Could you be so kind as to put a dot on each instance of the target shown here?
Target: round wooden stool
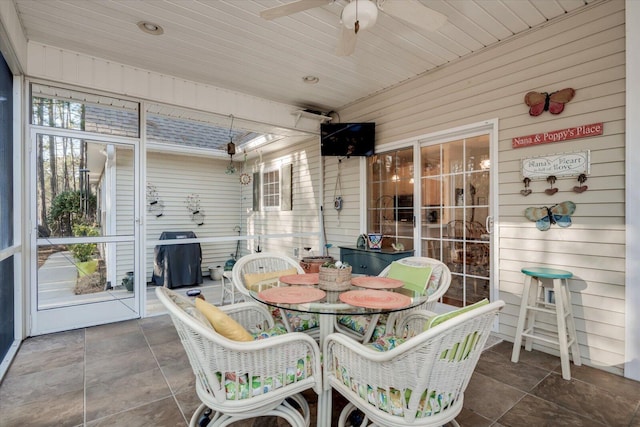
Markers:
(536, 300)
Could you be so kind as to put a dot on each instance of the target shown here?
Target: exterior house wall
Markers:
(585, 51)
(303, 219)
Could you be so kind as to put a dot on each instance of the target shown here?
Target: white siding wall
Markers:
(304, 216)
(342, 227)
(176, 177)
(586, 52)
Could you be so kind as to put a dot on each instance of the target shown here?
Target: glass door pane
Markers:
(390, 197)
(85, 245)
(455, 205)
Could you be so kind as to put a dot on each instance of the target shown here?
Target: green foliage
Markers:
(66, 210)
(84, 251)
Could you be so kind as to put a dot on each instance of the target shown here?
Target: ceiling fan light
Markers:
(363, 11)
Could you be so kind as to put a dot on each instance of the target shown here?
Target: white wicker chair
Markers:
(368, 323)
(265, 262)
(420, 382)
(216, 361)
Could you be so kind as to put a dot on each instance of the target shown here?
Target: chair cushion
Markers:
(414, 278)
(393, 401)
(188, 307)
(302, 321)
(360, 322)
(386, 343)
(434, 279)
(436, 320)
(239, 387)
(222, 323)
(252, 279)
(276, 330)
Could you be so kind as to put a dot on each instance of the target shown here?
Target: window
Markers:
(271, 189)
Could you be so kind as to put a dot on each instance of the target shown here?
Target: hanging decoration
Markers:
(155, 206)
(559, 214)
(337, 190)
(582, 178)
(551, 102)
(553, 190)
(193, 206)
(231, 150)
(526, 190)
(245, 178)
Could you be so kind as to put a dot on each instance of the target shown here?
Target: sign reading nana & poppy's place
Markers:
(582, 131)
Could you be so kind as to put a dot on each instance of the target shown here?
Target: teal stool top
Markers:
(547, 273)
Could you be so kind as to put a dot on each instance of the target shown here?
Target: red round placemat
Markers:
(375, 282)
(375, 299)
(291, 295)
(301, 279)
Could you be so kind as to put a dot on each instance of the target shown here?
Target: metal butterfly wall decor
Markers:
(552, 102)
(559, 214)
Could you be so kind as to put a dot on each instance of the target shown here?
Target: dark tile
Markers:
(110, 330)
(110, 397)
(170, 353)
(161, 336)
(179, 376)
(60, 409)
(43, 360)
(109, 369)
(522, 376)
(109, 346)
(188, 402)
(588, 400)
(156, 323)
(41, 386)
(468, 418)
(533, 411)
(605, 380)
(535, 358)
(161, 413)
(60, 340)
(490, 398)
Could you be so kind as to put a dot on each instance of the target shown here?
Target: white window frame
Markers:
(264, 185)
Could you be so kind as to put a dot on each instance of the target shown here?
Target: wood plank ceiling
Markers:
(227, 44)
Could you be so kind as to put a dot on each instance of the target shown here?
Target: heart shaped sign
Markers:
(525, 192)
(551, 191)
(580, 189)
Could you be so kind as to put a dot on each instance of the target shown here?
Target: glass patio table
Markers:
(356, 300)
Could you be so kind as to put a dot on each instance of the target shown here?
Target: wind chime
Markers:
(231, 150)
(245, 178)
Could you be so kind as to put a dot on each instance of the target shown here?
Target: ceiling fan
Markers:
(361, 14)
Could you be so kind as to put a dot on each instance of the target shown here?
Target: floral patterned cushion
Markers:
(394, 401)
(360, 322)
(240, 387)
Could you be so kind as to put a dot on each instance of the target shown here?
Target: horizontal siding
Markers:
(175, 177)
(304, 216)
(585, 51)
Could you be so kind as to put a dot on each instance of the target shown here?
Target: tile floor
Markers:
(136, 373)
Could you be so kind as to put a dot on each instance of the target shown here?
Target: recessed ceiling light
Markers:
(150, 28)
(310, 80)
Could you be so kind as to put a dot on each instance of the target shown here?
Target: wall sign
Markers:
(559, 165)
(582, 131)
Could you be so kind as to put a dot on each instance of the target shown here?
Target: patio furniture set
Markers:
(378, 344)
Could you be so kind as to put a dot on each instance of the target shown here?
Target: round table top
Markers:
(332, 303)
(547, 273)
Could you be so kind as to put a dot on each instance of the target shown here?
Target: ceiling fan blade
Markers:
(347, 42)
(291, 8)
(415, 13)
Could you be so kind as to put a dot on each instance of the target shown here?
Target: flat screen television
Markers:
(347, 139)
